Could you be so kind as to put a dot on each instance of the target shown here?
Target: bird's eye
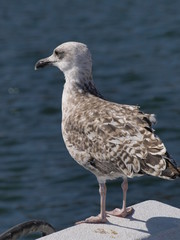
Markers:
(59, 54)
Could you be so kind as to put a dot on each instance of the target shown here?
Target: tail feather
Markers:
(160, 166)
(171, 171)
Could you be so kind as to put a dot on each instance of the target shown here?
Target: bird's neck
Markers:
(80, 82)
(77, 88)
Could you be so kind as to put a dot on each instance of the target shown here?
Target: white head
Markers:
(71, 58)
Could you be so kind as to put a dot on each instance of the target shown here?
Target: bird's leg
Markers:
(124, 211)
(102, 192)
(101, 218)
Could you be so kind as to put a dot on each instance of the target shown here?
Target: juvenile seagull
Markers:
(109, 139)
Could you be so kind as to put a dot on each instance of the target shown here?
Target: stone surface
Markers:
(151, 220)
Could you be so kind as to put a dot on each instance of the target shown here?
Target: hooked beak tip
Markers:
(40, 64)
(43, 63)
(35, 68)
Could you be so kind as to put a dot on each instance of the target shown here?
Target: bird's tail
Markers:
(171, 171)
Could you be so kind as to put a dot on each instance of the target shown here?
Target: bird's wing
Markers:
(121, 135)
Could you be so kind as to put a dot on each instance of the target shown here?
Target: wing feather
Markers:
(118, 138)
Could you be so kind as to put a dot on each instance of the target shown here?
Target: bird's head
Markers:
(69, 57)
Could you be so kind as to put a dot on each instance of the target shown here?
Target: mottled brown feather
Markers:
(118, 138)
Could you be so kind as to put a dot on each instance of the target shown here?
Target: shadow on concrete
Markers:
(159, 228)
(163, 228)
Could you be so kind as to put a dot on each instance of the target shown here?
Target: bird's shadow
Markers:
(155, 226)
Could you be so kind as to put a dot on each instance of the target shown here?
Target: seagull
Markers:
(110, 140)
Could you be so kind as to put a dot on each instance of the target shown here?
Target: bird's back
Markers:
(113, 140)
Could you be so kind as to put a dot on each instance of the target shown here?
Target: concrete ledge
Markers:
(151, 220)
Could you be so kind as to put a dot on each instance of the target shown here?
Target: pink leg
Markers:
(124, 211)
(101, 218)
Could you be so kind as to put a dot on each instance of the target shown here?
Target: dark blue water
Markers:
(136, 60)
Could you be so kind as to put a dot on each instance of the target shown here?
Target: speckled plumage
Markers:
(111, 140)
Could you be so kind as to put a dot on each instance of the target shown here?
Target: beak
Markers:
(44, 62)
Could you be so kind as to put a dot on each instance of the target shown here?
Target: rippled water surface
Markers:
(136, 60)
